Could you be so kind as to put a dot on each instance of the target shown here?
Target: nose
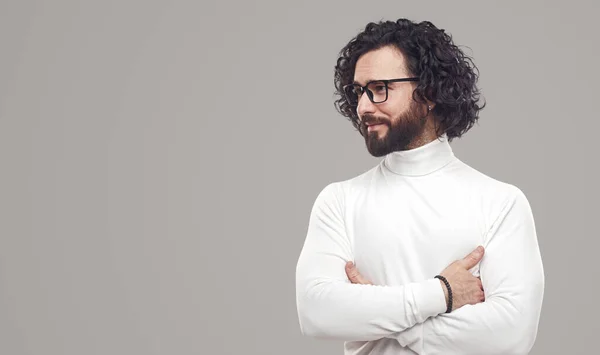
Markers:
(365, 106)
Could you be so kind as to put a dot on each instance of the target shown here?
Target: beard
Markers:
(400, 131)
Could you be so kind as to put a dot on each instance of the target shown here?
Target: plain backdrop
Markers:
(159, 160)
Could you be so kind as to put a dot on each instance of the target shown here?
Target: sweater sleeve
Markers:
(329, 306)
(513, 281)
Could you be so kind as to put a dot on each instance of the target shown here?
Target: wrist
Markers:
(447, 292)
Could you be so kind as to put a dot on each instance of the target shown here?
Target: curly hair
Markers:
(447, 77)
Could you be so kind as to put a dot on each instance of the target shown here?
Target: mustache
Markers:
(370, 119)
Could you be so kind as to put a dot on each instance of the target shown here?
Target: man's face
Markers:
(393, 124)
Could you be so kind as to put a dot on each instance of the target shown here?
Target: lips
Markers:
(371, 124)
(374, 127)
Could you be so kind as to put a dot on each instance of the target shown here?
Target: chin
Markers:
(378, 154)
(378, 146)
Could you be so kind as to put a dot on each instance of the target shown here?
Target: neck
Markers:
(429, 134)
(429, 155)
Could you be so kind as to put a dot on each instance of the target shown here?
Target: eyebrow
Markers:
(357, 83)
(368, 81)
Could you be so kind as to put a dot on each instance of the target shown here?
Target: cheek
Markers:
(394, 108)
(402, 98)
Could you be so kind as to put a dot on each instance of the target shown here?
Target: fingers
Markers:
(473, 258)
(354, 276)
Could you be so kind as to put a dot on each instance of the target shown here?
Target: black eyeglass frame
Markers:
(364, 89)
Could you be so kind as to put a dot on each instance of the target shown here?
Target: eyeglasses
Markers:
(377, 90)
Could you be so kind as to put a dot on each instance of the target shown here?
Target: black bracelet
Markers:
(449, 306)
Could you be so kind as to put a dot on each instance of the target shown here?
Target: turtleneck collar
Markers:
(422, 160)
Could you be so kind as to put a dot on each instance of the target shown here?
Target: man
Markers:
(422, 253)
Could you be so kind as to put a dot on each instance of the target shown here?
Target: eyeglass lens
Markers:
(377, 92)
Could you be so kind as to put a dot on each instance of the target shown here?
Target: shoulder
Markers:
(492, 196)
(487, 186)
(337, 192)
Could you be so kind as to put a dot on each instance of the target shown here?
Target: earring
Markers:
(429, 108)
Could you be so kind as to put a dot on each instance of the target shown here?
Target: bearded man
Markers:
(422, 254)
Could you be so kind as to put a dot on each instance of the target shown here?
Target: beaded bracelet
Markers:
(449, 306)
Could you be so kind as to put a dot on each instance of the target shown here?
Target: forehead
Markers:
(383, 63)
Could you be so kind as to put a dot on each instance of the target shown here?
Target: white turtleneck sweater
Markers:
(402, 223)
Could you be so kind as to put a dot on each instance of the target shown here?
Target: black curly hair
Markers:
(447, 77)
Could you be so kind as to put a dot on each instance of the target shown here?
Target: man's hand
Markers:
(354, 276)
(466, 288)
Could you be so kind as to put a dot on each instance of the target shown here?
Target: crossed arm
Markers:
(329, 305)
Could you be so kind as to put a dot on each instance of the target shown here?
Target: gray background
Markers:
(159, 162)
